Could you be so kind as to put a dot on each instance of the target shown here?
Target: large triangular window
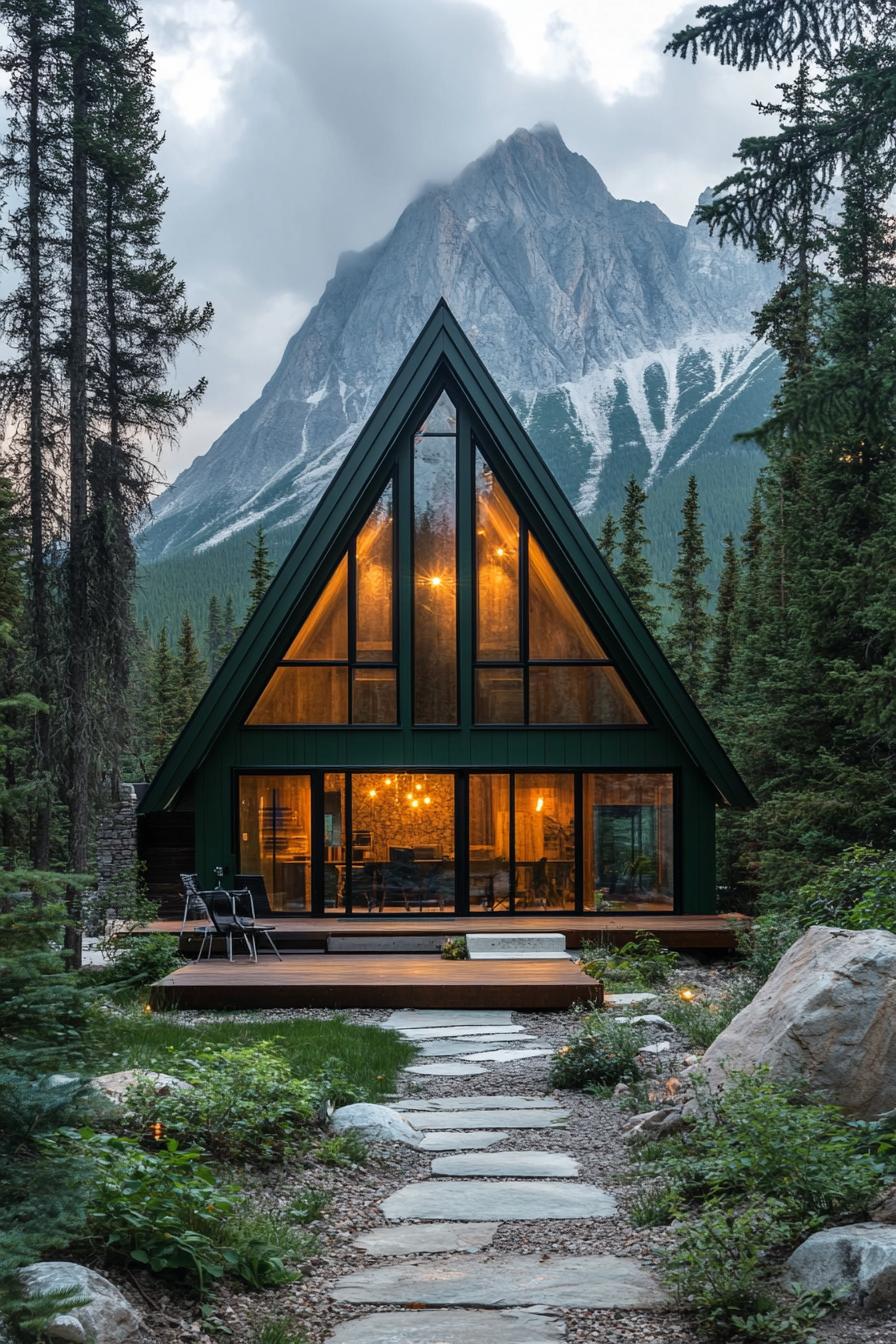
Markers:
(537, 659)
(340, 667)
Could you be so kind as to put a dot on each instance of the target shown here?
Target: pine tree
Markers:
(722, 657)
(138, 319)
(606, 542)
(214, 635)
(228, 628)
(33, 179)
(260, 571)
(165, 700)
(690, 629)
(191, 680)
(633, 569)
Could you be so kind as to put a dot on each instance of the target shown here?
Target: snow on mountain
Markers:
(622, 339)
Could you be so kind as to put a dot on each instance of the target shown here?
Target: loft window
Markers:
(435, 566)
(340, 667)
(537, 660)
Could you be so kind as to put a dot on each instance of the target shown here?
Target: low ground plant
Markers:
(167, 1210)
(136, 961)
(342, 1150)
(279, 1330)
(242, 1104)
(719, 1267)
(701, 1019)
(601, 1054)
(641, 964)
(758, 1171)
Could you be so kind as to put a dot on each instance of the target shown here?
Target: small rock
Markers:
(660, 1048)
(691, 1060)
(376, 1122)
(107, 1317)
(884, 1210)
(860, 1257)
(622, 1090)
(654, 1125)
(646, 1019)
(115, 1086)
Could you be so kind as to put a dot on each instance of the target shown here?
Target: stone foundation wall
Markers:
(116, 844)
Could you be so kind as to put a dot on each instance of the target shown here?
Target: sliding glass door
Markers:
(487, 842)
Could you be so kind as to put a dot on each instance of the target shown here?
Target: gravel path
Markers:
(592, 1137)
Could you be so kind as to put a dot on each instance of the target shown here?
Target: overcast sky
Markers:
(298, 129)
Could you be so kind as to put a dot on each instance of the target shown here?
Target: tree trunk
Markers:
(40, 853)
(78, 615)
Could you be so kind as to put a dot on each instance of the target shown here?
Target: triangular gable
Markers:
(441, 352)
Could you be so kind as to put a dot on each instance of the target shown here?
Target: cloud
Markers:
(297, 130)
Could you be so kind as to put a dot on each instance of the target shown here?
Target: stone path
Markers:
(465, 1290)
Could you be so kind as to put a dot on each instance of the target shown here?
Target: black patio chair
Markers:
(242, 900)
(194, 908)
(255, 884)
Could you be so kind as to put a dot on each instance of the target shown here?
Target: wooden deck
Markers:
(329, 980)
(678, 931)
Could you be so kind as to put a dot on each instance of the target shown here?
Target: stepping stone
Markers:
(457, 1046)
(452, 1139)
(472, 1032)
(623, 1000)
(485, 1103)
(549, 1119)
(645, 1019)
(418, 1238)
(521, 1163)
(508, 1201)
(452, 1327)
(602, 1281)
(446, 1017)
(501, 1056)
(457, 1070)
(661, 1048)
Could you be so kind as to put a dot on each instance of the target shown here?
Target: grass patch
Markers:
(370, 1057)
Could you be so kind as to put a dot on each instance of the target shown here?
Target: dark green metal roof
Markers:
(441, 350)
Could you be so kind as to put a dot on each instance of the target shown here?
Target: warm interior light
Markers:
(435, 581)
(415, 802)
(419, 788)
(539, 804)
(388, 779)
(499, 551)
(427, 800)
(371, 793)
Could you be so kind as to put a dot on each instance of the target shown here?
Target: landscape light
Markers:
(686, 994)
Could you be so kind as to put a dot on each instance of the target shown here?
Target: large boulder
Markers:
(827, 1016)
(107, 1316)
(376, 1122)
(860, 1258)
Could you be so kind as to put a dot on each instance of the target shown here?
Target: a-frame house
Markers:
(446, 702)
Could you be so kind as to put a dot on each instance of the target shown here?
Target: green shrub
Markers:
(140, 960)
(601, 1054)
(719, 1268)
(755, 1141)
(342, 1150)
(700, 1020)
(244, 1104)
(455, 949)
(167, 1211)
(641, 964)
(43, 1009)
(763, 943)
